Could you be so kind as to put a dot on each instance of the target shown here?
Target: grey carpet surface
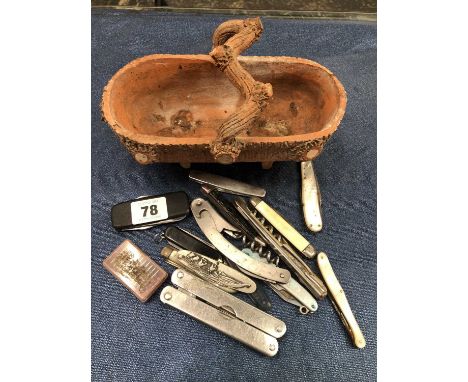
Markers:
(132, 341)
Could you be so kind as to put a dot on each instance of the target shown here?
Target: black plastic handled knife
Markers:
(148, 211)
(227, 210)
(182, 239)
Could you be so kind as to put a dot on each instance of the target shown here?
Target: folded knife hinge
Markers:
(224, 312)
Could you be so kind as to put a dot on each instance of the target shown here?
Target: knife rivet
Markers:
(279, 328)
(167, 296)
(272, 347)
(198, 203)
(282, 275)
(180, 274)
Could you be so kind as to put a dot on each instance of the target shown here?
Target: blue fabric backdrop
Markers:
(132, 341)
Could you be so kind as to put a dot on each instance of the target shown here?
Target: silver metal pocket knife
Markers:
(228, 185)
(291, 292)
(212, 271)
(283, 249)
(224, 312)
(212, 224)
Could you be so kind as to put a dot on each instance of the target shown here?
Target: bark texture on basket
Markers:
(229, 40)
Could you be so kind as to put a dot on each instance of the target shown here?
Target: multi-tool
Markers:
(224, 312)
(311, 198)
(339, 300)
(147, 211)
(183, 239)
(213, 226)
(228, 185)
(291, 292)
(284, 228)
(212, 271)
(283, 249)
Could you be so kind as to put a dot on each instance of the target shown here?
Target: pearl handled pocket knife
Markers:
(212, 224)
(212, 271)
(224, 312)
(311, 198)
(339, 300)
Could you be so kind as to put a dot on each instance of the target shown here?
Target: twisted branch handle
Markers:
(229, 40)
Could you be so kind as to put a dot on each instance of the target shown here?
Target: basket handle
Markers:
(229, 40)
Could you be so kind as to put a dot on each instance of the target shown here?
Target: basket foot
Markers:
(267, 165)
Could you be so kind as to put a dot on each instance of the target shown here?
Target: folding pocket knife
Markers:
(284, 228)
(212, 271)
(148, 211)
(311, 198)
(339, 300)
(183, 239)
(283, 249)
(291, 292)
(228, 185)
(212, 224)
(224, 312)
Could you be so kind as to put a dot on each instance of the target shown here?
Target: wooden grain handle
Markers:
(229, 40)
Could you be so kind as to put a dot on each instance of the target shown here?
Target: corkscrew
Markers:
(282, 248)
(214, 226)
(249, 237)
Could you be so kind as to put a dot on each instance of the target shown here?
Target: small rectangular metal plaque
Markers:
(135, 270)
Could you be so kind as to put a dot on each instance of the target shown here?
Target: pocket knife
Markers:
(311, 198)
(212, 271)
(183, 239)
(148, 211)
(213, 225)
(228, 185)
(339, 300)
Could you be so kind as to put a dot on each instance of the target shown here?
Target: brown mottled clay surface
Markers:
(172, 108)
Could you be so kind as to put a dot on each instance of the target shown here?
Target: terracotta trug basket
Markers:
(223, 107)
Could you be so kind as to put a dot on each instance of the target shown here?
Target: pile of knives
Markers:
(248, 246)
(248, 240)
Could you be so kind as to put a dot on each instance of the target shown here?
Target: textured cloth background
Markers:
(132, 341)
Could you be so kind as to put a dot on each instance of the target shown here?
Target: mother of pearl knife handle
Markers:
(340, 301)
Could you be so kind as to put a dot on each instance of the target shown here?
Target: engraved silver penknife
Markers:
(228, 185)
(212, 271)
(339, 300)
(224, 312)
(284, 228)
(212, 224)
(311, 198)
